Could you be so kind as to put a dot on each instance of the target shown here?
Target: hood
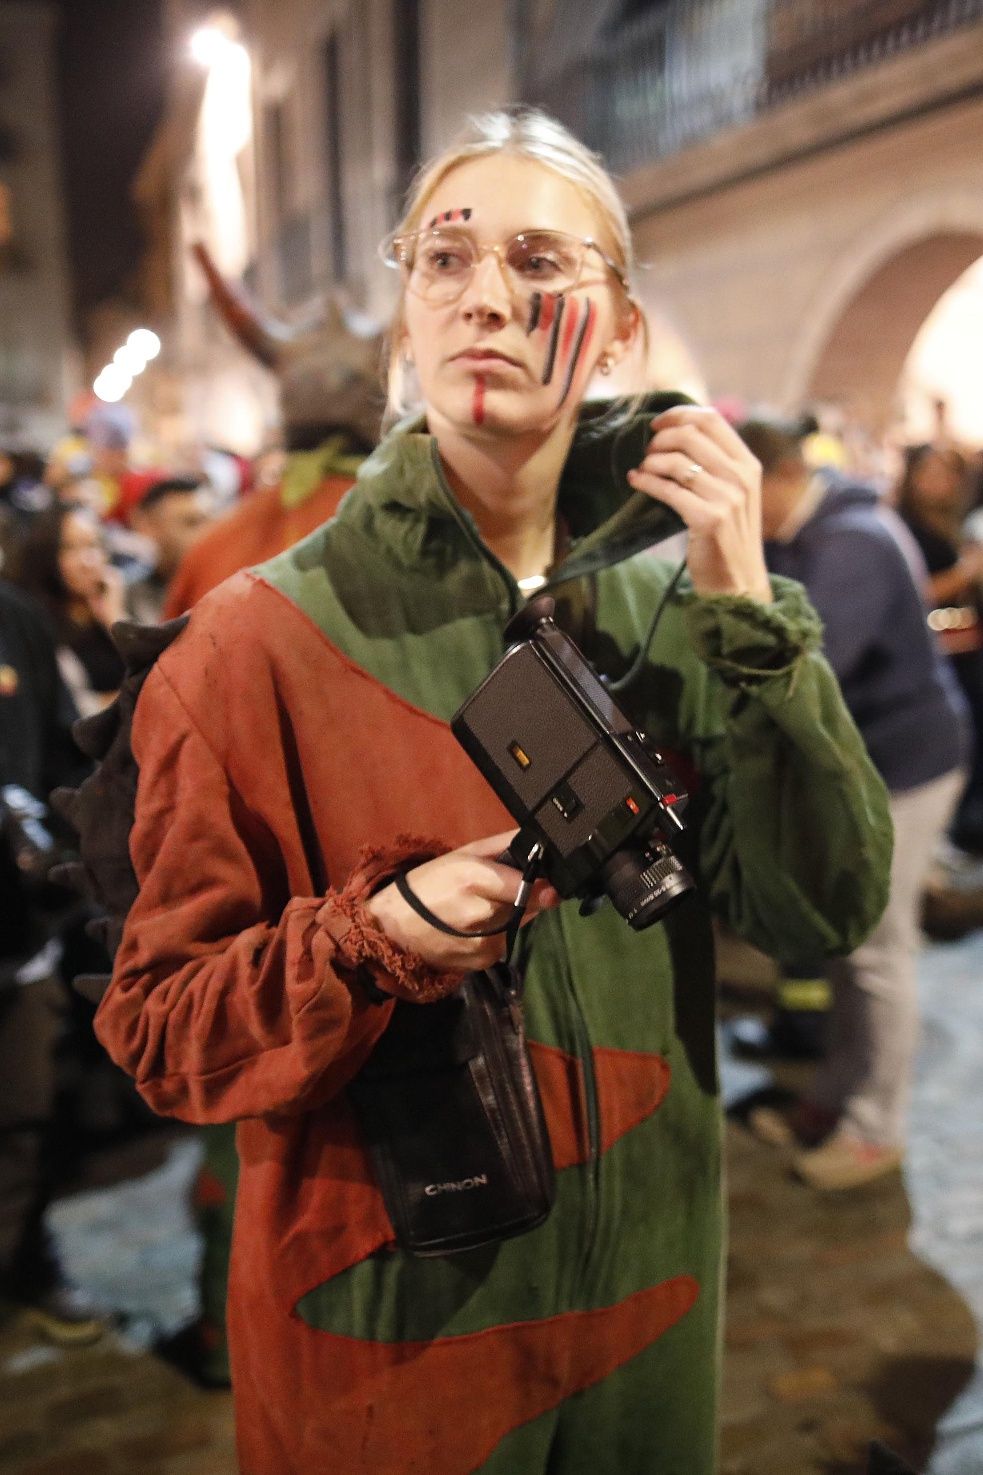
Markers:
(841, 495)
(608, 522)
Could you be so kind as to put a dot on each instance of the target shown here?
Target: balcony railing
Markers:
(687, 69)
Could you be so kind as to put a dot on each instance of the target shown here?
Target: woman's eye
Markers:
(540, 265)
(443, 260)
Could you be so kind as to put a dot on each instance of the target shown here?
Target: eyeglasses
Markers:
(438, 263)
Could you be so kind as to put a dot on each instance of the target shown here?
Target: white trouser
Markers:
(866, 1075)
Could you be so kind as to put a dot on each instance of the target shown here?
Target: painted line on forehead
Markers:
(561, 303)
(451, 217)
(581, 346)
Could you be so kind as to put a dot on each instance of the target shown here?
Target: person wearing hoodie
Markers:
(295, 757)
(855, 560)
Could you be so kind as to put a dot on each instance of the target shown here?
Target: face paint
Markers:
(579, 342)
(478, 403)
(551, 321)
(451, 217)
(568, 327)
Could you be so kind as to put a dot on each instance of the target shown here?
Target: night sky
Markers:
(111, 69)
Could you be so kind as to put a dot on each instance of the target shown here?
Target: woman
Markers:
(933, 498)
(293, 737)
(62, 561)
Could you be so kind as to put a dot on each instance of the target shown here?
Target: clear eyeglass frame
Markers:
(516, 258)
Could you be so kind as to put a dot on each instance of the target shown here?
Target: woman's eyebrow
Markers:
(450, 217)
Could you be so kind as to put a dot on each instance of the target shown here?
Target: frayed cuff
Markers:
(383, 970)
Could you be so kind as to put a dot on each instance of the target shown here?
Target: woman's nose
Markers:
(487, 294)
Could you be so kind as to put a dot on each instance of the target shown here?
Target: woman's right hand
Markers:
(466, 888)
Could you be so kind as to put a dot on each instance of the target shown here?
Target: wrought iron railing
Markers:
(686, 69)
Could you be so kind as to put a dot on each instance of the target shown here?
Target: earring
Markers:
(604, 364)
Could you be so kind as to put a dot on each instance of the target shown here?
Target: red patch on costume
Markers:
(419, 1398)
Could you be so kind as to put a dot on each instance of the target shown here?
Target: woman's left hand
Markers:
(697, 464)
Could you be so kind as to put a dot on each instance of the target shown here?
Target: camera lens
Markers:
(643, 884)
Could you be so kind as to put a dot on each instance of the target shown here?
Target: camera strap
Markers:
(510, 928)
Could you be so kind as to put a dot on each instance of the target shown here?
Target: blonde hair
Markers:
(523, 133)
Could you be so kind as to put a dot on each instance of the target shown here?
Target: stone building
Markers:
(804, 176)
(35, 344)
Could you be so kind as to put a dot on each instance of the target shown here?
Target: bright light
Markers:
(144, 344)
(112, 383)
(208, 44)
(130, 360)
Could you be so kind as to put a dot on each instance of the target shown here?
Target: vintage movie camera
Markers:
(579, 778)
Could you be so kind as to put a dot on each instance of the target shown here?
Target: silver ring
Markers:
(693, 470)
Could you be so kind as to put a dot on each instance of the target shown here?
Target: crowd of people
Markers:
(253, 984)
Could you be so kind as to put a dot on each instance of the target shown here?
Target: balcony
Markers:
(684, 70)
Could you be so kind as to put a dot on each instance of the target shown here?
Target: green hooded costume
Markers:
(289, 741)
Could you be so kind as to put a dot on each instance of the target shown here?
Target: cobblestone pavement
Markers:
(849, 1318)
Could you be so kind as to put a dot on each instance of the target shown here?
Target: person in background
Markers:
(932, 498)
(62, 562)
(331, 410)
(830, 533)
(36, 755)
(171, 515)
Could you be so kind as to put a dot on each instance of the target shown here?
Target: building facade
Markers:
(37, 360)
(804, 176)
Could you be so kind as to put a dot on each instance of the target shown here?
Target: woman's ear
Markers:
(626, 328)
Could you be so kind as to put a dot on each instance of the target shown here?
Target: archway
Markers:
(861, 362)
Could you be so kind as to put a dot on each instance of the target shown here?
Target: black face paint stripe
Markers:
(578, 345)
(467, 213)
(536, 305)
(561, 303)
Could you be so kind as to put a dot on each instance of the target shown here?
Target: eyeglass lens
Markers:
(443, 261)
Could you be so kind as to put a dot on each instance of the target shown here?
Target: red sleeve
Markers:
(218, 1011)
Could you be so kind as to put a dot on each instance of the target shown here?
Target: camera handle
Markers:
(510, 928)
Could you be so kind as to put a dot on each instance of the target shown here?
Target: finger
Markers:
(694, 448)
(710, 423)
(703, 480)
(489, 844)
(698, 513)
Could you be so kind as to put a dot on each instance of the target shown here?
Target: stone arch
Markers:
(876, 298)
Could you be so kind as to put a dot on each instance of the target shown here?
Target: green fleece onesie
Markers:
(287, 740)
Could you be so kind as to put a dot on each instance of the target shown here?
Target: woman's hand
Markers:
(467, 888)
(107, 602)
(698, 465)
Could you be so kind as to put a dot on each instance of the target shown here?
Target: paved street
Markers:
(849, 1318)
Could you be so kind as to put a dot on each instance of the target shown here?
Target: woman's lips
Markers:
(487, 358)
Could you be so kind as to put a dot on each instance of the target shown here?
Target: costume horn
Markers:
(266, 340)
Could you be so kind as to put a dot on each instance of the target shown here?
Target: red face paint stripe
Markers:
(561, 303)
(547, 309)
(569, 329)
(478, 405)
(581, 345)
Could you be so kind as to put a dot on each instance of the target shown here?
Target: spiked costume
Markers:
(286, 740)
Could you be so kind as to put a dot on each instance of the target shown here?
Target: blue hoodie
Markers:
(899, 688)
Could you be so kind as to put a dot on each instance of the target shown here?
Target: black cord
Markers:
(510, 928)
(635, 668)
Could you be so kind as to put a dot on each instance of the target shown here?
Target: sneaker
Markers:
(67, 1316)
(843, 1161)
